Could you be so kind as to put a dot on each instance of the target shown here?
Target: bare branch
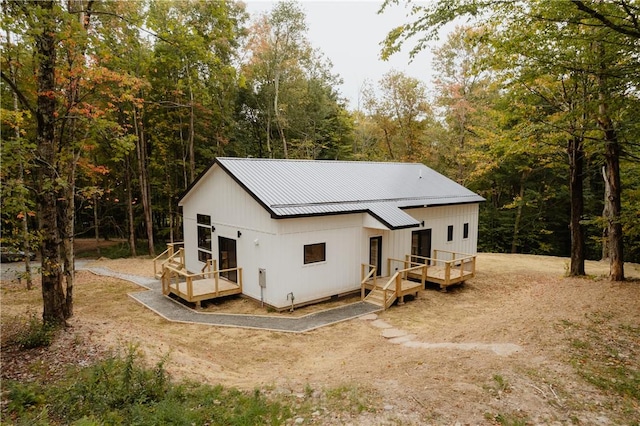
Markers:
(23, 100)
(632, 31)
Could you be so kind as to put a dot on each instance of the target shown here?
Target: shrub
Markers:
(35, 334)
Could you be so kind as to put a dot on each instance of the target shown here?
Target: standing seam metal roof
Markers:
(294, 188)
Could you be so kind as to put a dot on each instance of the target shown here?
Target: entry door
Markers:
(375, 254)
(421, 244)
(228, 258)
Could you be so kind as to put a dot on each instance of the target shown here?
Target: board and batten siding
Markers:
(338, 274)
(397, 244)
(439, 218)
(232, 209)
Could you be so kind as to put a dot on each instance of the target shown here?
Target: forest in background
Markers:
(111, 109)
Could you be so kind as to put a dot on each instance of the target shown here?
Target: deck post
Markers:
(240, 278)
(189, 288)
(399, 289)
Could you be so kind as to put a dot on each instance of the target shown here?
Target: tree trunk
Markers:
(130, 217)
(575, 151)
(277, 115)
(53, 296)
(192, 152)
(605, 215)
(141, 147)
(96, 223)
(612, 173)
(25, 216)
(516, 225)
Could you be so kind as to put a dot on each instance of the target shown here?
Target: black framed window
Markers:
(465, 231)
(203, 219)
(450, 233)
(204, 237)
(314, 253)
(203, 256)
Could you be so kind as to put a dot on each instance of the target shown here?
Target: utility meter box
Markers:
(262, 277)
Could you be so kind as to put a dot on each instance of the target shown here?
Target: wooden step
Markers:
(376, 297)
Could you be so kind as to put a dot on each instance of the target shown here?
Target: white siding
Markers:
(439, 218)
(231, 209)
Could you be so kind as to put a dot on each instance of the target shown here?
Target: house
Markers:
(292, 232)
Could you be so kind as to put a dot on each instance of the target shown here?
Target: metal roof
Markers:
(294, 188)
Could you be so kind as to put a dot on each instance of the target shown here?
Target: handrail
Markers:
(365, 279)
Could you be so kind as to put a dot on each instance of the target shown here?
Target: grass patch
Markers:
(120, 391)
(606, 354)
(119, 250)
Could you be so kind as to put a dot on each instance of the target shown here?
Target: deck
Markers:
(210, 283)
(203, 289)
(445, 268)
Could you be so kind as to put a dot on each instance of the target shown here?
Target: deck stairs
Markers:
(377, 297)
(170, 258)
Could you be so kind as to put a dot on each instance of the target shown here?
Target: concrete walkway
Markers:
(177, 312)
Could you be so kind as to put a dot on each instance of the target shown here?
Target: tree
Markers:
(402, 113)
(543, 21)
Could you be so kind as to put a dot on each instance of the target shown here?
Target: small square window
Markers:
(314, 253)
(465, 231)
(450, 233)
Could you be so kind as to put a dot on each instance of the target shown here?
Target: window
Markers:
(203, 256)
(450, 233)
(204, 237)
(465, 231)
(314, 253)
(204, 219)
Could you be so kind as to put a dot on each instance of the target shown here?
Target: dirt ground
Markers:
(447, 374)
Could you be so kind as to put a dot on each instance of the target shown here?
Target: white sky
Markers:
(349, 34)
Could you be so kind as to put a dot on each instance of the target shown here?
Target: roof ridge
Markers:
(385, 200)
(305, 160)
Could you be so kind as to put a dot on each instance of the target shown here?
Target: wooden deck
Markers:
(194, 288)
(204, 289)
(445, 268)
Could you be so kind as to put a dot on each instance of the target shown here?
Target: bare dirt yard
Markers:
(518, 344)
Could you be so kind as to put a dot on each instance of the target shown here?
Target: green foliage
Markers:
(121, 391)
(35, 333)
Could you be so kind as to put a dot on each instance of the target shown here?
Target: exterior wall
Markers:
(339, 273)
(397, 244)
(231, 209)
(438, 220)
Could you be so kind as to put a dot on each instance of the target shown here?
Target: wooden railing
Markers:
(178, 275)
(393, 287)
(450, 262)
(166, 256)
(389, 295)
(364, 278)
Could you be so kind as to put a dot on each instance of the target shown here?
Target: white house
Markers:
(301, 229)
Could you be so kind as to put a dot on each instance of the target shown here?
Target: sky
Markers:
(349, 34)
